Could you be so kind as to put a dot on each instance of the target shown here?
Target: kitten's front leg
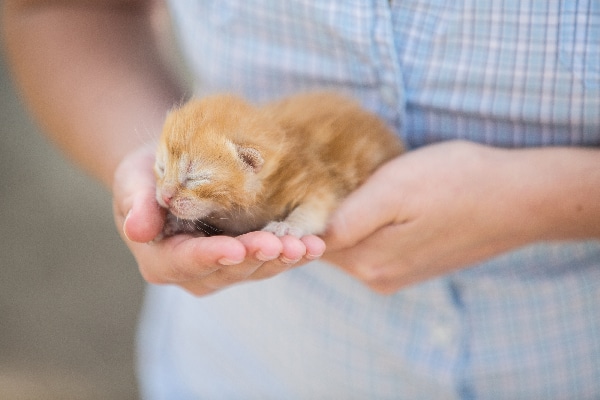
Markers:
(308, 218)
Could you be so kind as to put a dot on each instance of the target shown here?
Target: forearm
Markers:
(556, 190)
(92, 76)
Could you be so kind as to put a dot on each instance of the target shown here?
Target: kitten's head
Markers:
(209, 159)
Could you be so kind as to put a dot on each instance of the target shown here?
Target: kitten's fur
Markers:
(225, 166)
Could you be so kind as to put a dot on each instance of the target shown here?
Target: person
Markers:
(467, 268)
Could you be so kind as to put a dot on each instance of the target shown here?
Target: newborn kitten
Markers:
(224, 166)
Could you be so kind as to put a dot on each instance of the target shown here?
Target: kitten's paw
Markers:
(282, 228)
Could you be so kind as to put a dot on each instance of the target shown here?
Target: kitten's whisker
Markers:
(221, 218)
(205, 231)
(207, 228)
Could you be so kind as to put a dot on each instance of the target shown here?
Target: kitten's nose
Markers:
(167, 198)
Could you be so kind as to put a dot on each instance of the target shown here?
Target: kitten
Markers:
(224, 166)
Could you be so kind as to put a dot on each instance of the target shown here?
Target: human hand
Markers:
(200, 265)
(427, 213)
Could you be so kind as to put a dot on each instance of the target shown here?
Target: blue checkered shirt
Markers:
(524, 325)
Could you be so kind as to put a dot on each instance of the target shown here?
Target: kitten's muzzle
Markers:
(166, 198)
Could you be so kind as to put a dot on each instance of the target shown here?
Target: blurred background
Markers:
(70, 291)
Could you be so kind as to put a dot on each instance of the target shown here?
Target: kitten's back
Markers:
(331, 129)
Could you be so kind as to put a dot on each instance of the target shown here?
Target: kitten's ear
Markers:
(251, 158)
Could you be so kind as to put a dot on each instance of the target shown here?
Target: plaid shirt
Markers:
(525, 325)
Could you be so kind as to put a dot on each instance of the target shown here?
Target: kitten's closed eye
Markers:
(159, 168)
(195, 179)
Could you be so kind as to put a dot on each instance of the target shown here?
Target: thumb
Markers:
(136, 211)
(145, 219)
(366, 210)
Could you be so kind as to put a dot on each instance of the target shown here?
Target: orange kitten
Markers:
(225, 166)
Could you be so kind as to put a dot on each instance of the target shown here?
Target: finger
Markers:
(145, 219)
(263, 246)
(285, 255)
(134, 174)
(182, 258)
(315, 247)
(293, 249)
(364, 211)
(260, 247)
(135, 208)
(294, 253)
(385, 272)
(230, 275)
(381, 248)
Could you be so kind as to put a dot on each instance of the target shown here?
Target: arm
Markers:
(91, 73)
(446, 206)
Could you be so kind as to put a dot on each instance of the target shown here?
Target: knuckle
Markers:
(269, 270)
(337, 234)
(378, 278)
(228, 276)
(197, 289)
(370, 274)
(178, 273)
(383, 288)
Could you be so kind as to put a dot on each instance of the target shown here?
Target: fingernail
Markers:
(313, 256)
(226, 261)
(286, 260)
(125, 224)
(260, 256)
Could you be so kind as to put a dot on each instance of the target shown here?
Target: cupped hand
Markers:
(200, 265)
(427, 213)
